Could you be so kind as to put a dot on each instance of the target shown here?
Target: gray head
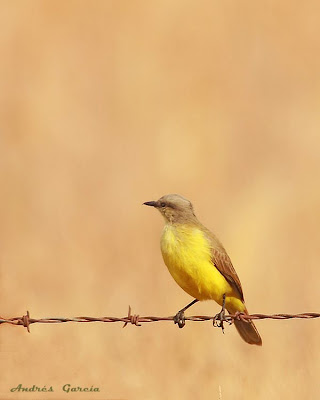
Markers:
(174, 208)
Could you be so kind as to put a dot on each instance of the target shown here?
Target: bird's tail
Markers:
(247, 330)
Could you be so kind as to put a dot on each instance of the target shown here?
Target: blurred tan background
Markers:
(107, 104)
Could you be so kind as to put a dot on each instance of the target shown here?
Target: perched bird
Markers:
(199, 264)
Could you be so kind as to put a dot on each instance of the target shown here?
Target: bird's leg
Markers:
(219, 318)
(179, 317)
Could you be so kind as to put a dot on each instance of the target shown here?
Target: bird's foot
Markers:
(219, 319)
(179, 319)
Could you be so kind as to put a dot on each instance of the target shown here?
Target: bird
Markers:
(200, 265)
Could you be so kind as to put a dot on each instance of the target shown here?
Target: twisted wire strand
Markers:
(137, 320)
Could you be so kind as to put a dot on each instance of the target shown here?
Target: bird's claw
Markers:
(179, 319)
(219, 319)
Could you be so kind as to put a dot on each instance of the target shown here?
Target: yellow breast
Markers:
(187, 254)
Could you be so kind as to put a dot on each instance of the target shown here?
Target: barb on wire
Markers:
(135, 319)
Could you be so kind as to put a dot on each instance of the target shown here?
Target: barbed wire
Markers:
(137, 320)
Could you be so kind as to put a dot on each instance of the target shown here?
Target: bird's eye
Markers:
(162, 204)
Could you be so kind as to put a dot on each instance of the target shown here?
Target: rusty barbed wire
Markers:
(135, 319)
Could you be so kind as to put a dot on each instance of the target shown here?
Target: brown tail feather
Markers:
(248, 331)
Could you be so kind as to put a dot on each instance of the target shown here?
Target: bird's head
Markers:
(174, 208)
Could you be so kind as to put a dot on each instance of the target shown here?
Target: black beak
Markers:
(150, 203)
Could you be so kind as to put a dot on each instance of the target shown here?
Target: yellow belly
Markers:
(187, 254)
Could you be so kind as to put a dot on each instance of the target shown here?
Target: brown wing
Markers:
(223, 263)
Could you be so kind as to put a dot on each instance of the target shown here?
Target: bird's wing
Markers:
(223, 263)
